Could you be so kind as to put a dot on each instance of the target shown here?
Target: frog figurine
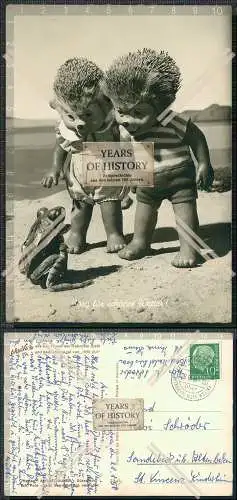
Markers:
(44, 254)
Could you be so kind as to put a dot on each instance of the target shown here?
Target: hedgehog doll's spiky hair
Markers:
(77, 81)
(143, 74)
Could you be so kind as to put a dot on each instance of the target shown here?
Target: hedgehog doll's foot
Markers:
(81, 216)
(113, 222)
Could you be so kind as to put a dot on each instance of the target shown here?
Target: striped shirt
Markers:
(170, 150)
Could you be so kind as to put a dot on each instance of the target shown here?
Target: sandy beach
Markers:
(149, 290)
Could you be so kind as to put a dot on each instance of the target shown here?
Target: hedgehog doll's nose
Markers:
(122, 119)
(124, 122)
(80, 125)
(80, 128)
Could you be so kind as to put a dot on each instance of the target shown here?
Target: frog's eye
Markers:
(54, 213)
(42, 211)
(70, 117)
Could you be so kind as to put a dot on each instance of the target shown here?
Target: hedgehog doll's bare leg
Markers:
(145, 223)
(187, 227)
(80, 220)
(113, 222)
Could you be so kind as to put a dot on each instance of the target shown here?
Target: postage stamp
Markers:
(118, 414)
(204, 361)
(188, 381)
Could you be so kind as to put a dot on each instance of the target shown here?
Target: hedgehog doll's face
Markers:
(136, 119)
(141, 84)
(82, 120)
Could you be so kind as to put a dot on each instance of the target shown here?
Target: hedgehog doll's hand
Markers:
(51, 178)
(205, 176)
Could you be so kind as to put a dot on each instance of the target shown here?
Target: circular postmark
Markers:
(192, 390)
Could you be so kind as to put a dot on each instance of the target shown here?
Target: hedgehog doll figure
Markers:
(85, 115)
(142, 86)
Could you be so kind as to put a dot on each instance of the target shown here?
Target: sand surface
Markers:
(149, 290)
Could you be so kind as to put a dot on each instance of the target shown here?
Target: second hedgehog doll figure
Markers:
(85, 115)
(142, 86)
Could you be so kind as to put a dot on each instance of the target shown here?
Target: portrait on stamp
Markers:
(204, 361)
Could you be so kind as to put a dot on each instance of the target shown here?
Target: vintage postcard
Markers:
(119, 164)
(140, 414)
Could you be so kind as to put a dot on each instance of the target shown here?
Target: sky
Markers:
(197, 43)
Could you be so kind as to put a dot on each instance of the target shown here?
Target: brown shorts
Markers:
(178, 185)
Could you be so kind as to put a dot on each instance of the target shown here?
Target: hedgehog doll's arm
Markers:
(197, 142)
(52, 176)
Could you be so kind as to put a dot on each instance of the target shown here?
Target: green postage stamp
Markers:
(204, 361)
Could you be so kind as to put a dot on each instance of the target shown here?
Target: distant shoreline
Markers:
(50, 128)
(211, 114)
(36, 128)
